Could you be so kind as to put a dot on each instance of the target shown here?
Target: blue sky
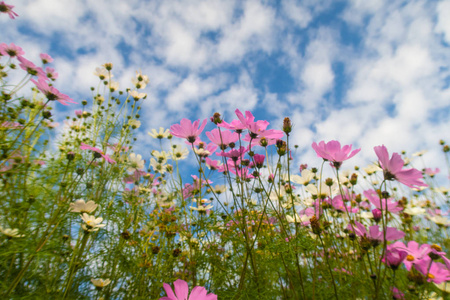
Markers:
(362, 72)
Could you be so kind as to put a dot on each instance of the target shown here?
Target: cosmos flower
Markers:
(80, 206)
(182, 292)
(100, 152)
(45, 58)
(52, 93)
(161, 134)
(7, 9)
(333, 152)
(11, 50)
(91, 223)
(100, 283)
(188, 130)
(31, 68)
(11, 232)
(393, 169)
(136, 162)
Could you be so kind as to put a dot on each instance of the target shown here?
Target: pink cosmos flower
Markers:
(415, 252)
(51, 74)
(214, 164)
(436, 272)
(394, 257)
(430, 172)
(188, 130)
(12, 50)
(234, 154)
(392, 205)
(259, 160)
(45, 58)
(105, 156)
(7, 9)
(392, 168)
(332, 151)
(31, 68)
(222, 138)
(375, 235)
(52, 93)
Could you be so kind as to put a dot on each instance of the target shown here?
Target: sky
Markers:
(361, 72)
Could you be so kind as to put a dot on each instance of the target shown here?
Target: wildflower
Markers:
(415, 252)
(45, 58)
(214, 164)
(158, 166)
(51, 74)
(306, 177)
(179, 152)
(136, 162)
(371, 169)
(182, 292)
(102, 73)
(440, 220)
(96, 150)
(374, 235)
(30, 67)
(7, 9)
(52, 93)
(430, 172)
(222, 138)
(414, 211)
(161, 134)
(394, 257)
(136, 95)
(436, 272)
(234, 154)
(134, 123)
(100, 283)
(332, 151)
(12, 50)
(91, 223)
(162, 156)
(392, 169)
(188, 130)
(113, 86)
(80, 206)
(11, 233)
(387, 204)
(201, 208)
(142, 78)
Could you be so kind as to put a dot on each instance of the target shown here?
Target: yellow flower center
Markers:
(410, 258)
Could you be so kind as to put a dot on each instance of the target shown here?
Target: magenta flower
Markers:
(214, 164)
(415, 252)
(96, 150)
(374, 235)
(259, 160)
(392, 168)
(388, 204)
(182, 292)
(7, 9)
(31, 68)
(52, 93)
(188, 130)
(45, 58)
(222, 138)
(51, 74)
(11, 50)
(234, 154)
(394, 257)
(332, 151)
(436, 272)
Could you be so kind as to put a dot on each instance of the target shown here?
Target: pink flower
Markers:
(332, 151)
(234, 154)
(100, 152)
(375, 236)
(45, 58)
(214, 164)
(222, 138)
(415, 252)
(52, 93)
(182, 292)
(392, 205)
(11, 50)
(188, 130)
(51, 74)
(394, 257)
(436, 272)
(31, 68)
(259, 160)
(430, 172)
(7, 9)
(392, 168)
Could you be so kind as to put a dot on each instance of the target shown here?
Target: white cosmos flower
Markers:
(136, 162)
(11, 232)
(80, 206)
(91, 223)
(100, 283)
(161, 134)
(414, 211)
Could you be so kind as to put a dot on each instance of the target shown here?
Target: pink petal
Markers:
(169, 292)
(181, 289)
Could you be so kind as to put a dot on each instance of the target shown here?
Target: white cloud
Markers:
(443, 23)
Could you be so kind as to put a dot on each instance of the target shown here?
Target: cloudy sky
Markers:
(362, 72)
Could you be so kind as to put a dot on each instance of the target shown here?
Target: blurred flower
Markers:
(11, 50)
(161, 134)
(136, 95)
(51, 74)
(162, 156)
(179, 152)
(414, 211)
(182, 292)
(420, 153)
(392, 168)
(45, 58)
(91, 223)
(394, 257)
(113, 86)
(7, 9)
(100, 283)
(52, 93)
(100, 152)
(31, 68)
(333, 152)
(201, 208)
(371, 169)
(11, 233)
(306, 177)
(134, 123)
(80, 206)
(444, 286)
(102, 73)
(440, 220)
(136, 162)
